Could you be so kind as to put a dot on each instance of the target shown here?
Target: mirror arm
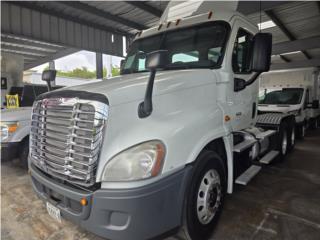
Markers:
(145, 107)
(253, 78)
(49, 86)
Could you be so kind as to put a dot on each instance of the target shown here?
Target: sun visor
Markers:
(181, 9)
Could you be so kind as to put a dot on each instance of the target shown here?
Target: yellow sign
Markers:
(12, 101)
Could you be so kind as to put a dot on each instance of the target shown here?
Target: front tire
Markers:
(24, 153)
(291, 138)
(204, 198)
(283, 141)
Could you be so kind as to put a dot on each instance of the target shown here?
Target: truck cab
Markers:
(155, 150)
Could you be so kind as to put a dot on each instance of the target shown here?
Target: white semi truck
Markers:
(155, 150)
(294, 91)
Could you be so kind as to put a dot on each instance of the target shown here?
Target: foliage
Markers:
(83, 72)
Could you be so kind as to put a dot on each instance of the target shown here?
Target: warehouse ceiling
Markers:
(42, 31)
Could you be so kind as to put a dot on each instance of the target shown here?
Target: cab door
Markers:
(245, 100)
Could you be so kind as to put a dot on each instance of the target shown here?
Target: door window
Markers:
(241, 57)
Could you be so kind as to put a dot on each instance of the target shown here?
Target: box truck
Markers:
(294, 91)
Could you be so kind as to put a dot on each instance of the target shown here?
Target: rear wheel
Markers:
(24, 152)
(317, 124)
(314, 123)
(301, 131)
(204, 198)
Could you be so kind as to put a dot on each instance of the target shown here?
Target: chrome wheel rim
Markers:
(209, 196)
(284, 143)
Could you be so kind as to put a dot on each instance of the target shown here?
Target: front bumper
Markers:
(133, 214)
(9, 150)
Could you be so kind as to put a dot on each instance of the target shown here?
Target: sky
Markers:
(78, 60)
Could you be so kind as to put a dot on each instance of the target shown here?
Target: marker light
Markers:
(83, 202)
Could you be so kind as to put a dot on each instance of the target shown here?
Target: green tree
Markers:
(115, 71)
(83, 72)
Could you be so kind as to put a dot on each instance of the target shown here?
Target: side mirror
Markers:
(308, 105)
(157, 60)
(154, 61)
(121, 63)
(261, 52)
(49, 76)
(315, 104)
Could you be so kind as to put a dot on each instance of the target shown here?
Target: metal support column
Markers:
(99, 65)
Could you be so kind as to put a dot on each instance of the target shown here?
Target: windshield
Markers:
(287, 96)
(28, 93)
(200, 46)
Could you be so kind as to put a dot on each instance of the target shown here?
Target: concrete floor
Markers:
(283, 202)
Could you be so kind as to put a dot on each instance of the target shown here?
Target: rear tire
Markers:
(317, 123)
(204, 198)
(24, 153)
(301, 131)
(314, 123)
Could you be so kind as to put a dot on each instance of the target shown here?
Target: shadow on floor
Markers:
(282, 202)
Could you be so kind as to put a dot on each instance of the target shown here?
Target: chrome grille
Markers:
(66, 137)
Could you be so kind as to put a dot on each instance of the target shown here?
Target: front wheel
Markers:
(283, 141)
(24, 152)
(291, 138)
(204, 198)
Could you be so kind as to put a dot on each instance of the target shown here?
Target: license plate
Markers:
(54, 212)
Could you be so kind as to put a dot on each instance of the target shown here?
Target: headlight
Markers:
(139, 162)
(7, 128)
(295, 112)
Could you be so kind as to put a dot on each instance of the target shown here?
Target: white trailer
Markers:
(294, 91)
(155, 150)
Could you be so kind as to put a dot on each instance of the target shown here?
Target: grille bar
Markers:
(66, 137)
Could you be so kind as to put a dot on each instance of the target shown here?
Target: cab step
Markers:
(247, 175)
(269, 157)
(244, 145)
(265, 134)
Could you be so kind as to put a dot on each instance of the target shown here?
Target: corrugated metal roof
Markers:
(301, 19)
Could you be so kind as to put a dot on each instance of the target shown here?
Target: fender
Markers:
(22, 131)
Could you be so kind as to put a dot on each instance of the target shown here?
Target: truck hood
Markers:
(278, 108)
(17, 114)
(131, 87)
